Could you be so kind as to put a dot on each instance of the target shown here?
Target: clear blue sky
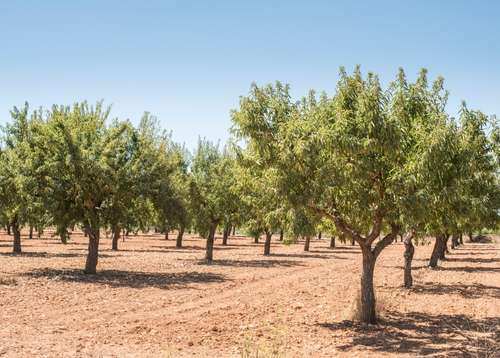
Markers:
(188, 61)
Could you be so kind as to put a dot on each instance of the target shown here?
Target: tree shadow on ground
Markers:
(131, 279)
(48, 255)
(304, 256)
(467, 291)
(468, 269)
(253, 263)
(472, 259)
(422, 334)
(191, 248)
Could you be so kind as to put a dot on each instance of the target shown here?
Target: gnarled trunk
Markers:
(16, 247)
(225, 234)
(332, 242)
(437, 250)
(93, 250)
(367, 295)
(209, 255)
(307, 243)
(116, 236)
(267, 243)
(180, 234)
(408, 256)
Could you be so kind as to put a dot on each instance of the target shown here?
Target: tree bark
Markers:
(8, 230)
(367, 296)
(332, 242)
(30, 236)
(307, 242)
(225, 234)
(436, 251)
(166, 234)
(454, 241)
(63, 234)
(256, 239)
(93, 250)
(116, 237)
(234, 230)
(408, 256)
(281, 235)
(461, 239)
(178, 242)
(210, 244)
(444, 247)
(319, 235)
(16, 248)
(267, 243)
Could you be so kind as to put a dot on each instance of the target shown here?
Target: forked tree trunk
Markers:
(16, 247)
(307, 243)
(180, 234)
(436, 251)
(367, 296)
(408, 256)
(93, 250)
(30, 236)
(267, 243)
(225, 234)
(116, 237)
(281, 235)
(332, 242)
(210, 244)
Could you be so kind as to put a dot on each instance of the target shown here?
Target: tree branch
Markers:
(388, 239)
(339, 222)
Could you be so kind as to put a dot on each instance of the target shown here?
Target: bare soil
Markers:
(152, 300)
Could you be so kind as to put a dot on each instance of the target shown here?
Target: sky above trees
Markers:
(188, 61)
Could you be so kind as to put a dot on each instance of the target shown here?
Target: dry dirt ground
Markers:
(152, 300)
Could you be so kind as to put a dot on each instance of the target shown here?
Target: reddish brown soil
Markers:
(151, 300)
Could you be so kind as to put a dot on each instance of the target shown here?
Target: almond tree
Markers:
(341, 157)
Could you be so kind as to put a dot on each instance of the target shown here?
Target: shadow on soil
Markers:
(467, 291)
(48, 255)
(253, 263)
(131, 279)
(422, 334)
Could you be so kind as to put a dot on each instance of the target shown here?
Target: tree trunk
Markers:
(444, 247)
(332, 242)
(367, 296)
(408, 256)
(319, 235)
(234, 230)
(353, 242)
(281, 235)
(256, 239)
(267, 243)
(471, 237)
(454, 241)
(166, 234)
(63, 234)
(178, 242)
(225, 234)
(8, 230)
(30, 236)
(17, 238)
(461, 239)
(93, 250)
(210, 244)
(436, 251)
(116, 237)
(306, 243)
